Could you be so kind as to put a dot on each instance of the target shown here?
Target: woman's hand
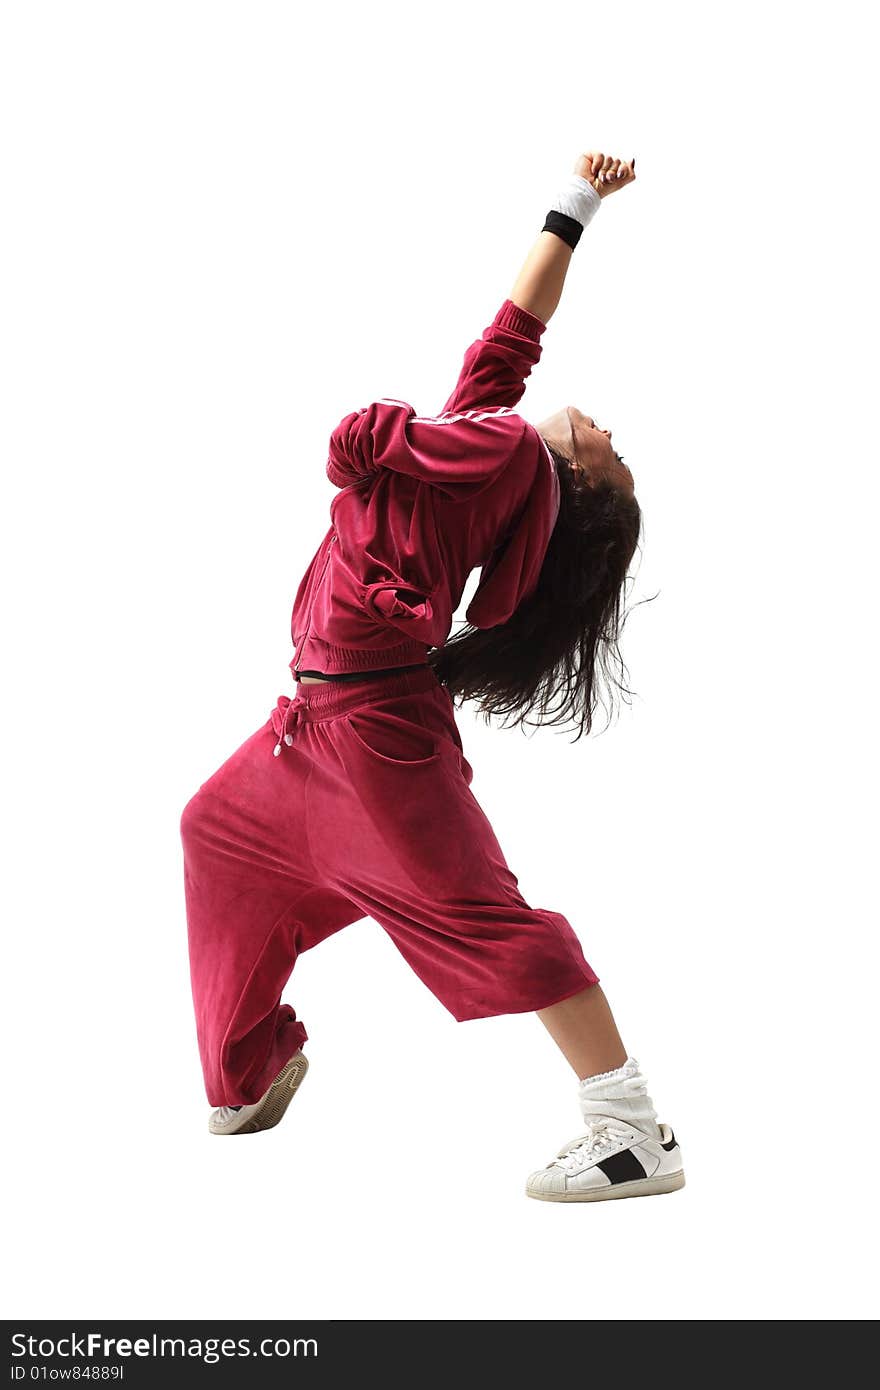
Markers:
(604, 172)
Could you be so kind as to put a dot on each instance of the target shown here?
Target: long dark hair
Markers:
(558, 653)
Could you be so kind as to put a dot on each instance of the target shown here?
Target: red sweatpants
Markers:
(365, 809)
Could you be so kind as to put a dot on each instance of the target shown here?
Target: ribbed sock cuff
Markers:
(629, 1068)
(623, 1093)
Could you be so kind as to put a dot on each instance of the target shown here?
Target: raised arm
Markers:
(469, 443)
(538, 287)
(496, 365)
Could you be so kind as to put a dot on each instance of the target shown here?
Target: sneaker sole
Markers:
(645, 1187)
(276, 1099)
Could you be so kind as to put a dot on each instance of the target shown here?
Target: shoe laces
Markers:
(601, 1135)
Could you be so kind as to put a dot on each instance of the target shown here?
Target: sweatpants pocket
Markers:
(392, 740)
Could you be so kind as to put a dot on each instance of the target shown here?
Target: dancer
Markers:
(353, 799)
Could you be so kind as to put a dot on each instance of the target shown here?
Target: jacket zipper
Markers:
(315, 591)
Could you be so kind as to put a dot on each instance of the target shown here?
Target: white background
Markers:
(228, 225)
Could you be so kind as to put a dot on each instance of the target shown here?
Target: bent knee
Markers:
(194, 816)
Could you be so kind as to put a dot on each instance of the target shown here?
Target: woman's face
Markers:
(589, 449)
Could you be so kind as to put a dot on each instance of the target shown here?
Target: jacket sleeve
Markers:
(459, 452)
(496, 366)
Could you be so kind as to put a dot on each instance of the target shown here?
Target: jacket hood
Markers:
(511, 573)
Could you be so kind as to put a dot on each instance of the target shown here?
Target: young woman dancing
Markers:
(353, 799)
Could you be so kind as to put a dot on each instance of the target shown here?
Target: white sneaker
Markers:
(613, 1159)
(269, 1108)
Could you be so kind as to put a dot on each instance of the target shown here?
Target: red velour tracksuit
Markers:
(366, 807)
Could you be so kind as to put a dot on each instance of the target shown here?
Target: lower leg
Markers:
(611, 1083)
(584, 1030)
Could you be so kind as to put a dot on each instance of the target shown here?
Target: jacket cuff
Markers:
(519, 320)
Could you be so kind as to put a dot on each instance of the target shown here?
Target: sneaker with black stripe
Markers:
(612, 1159)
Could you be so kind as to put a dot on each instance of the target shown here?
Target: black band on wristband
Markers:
(564, 226)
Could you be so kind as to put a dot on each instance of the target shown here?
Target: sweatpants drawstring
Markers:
(292, 712)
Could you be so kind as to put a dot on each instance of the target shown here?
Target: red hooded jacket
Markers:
(423, 500)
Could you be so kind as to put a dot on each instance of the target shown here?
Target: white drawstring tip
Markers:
(288, 739)
(277, 749)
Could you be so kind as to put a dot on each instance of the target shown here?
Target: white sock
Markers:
(623, 1094)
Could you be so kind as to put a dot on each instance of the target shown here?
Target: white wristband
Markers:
(577, 198)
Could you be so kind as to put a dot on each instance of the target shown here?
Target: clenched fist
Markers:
(604, 172)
